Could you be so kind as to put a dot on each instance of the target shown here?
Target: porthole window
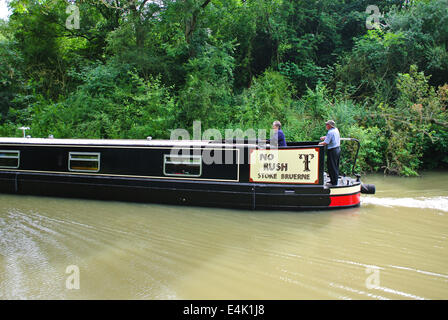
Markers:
(84, 161)
(180, 165)
(9, 159)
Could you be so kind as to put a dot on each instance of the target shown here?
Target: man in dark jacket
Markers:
(278, 138)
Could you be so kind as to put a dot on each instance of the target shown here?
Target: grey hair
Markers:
(277, 124)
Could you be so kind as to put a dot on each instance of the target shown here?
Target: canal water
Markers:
(394, 246)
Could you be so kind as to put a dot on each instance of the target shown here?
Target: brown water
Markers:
(393, 247)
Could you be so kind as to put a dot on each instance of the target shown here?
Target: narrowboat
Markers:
(225, 173)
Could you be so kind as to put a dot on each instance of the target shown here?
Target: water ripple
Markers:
(436, 203)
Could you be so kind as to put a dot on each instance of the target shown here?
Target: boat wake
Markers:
(435, 203)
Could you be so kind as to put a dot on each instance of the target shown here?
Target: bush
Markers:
(409, 123)
(111, 105)
(370, 156)
(207, 93)
(269, 98)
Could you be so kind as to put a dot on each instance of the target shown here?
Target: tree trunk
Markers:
(190, 24)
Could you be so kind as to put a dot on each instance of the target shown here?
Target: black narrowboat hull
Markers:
(192, 193)
(44, 170)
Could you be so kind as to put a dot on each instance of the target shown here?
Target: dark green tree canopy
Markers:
(134, 68)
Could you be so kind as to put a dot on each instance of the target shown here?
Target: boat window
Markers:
(9, 159)
(84, 161)
(181, 165)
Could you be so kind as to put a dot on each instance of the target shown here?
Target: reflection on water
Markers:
(392, 247)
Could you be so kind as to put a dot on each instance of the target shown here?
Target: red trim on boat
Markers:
(350, 200)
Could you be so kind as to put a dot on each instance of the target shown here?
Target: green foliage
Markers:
(11, 79)
(140, 68)
(207, 92)
(268, 99)
(409, 124)
(111, 103)
(307, 74)
(371, 67)
(370, 156)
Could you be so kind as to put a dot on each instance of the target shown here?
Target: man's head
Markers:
(276, 125)
(330, 124)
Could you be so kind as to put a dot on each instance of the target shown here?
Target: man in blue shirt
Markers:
(333, 142)
(278, 138)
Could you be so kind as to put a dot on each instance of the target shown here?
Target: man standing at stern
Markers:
(332, 140)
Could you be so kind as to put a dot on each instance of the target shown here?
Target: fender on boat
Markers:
(367, 188)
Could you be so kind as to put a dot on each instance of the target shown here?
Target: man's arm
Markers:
(323, 142)
(327, 139)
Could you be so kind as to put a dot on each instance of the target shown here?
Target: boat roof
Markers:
(124, 142)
